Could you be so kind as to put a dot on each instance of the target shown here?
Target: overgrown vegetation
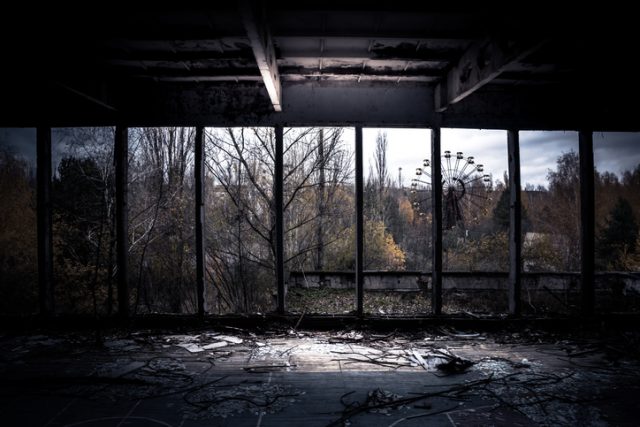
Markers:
(240, 225)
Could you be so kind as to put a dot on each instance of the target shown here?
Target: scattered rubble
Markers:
(225, 401)
(550, 379)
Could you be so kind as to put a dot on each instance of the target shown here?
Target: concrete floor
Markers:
(231, 377)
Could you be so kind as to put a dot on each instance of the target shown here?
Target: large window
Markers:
(319, 212)
(18, 241)
(83, 219)
(161, 220)
(617, 216)
(397, 221)
(240, 220)
(550, 169)
(475, 220)
(319, 220)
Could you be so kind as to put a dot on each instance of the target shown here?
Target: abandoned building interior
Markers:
(324, 214)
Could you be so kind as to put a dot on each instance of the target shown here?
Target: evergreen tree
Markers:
(501, 213)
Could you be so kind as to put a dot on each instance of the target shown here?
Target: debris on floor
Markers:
(225, 400)
(357, 376)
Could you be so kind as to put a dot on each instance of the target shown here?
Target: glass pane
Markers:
(475, 220)
(161, 220)
(83, 219)
(240, 221)
(397, 234)
(617, 216)
(319, 217)
(18, 239)
(550, 169)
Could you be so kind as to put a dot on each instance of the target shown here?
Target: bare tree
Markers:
(241, 260)
(161, 228)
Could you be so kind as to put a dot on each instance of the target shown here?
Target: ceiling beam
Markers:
(477, 66)
(84, 95)
(117, 57)
(198, 78)
(388, 54)
(263, 50)
(367, 71)
(357, 78)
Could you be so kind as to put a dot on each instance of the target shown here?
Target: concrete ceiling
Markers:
(257, 64)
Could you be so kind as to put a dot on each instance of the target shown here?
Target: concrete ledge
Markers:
(618, 282)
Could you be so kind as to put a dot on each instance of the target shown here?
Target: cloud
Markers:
(21, 142)
(539, 150)
(407, 148)
(616, 151)
(488, 147)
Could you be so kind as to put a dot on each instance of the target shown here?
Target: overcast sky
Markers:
(539, 150)
(614, 152)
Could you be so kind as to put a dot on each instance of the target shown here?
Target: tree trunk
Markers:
(321, 202)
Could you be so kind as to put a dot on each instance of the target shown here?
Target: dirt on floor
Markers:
(284, 376)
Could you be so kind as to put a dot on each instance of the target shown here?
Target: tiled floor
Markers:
(291, 378)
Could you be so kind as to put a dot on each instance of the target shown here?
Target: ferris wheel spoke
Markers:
(464, 167)
(446, 170)
(463, 172)
(467, 175)
(469, 180)
(462, 187)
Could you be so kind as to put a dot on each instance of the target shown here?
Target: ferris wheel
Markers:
(465, 187)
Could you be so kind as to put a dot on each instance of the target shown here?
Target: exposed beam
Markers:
(523, 77)
(452, 36)
(88, 97)
(355, 70)
(199, 179)
(263, 50)
(287, 77)
(121, 153)
(358, 78)
(515, 222)
(278, 194)
(587, 222)
(153, 58)
(427, 40)
(141, 32)
(359, 224)
(185, 71)
(436, 224)
(45, 225)
(120, 56)
(479, 64)
(388, 54)
(216, 67)
(198, 78)
(330, 103)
